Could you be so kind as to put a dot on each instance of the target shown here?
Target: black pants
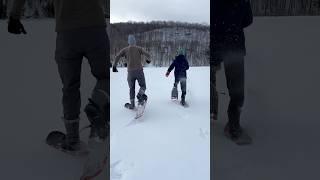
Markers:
(133, 76)
(234, 72)
(183, 85)
(71, 47)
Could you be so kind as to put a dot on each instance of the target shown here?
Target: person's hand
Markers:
(167, 74)
(148, 61)
(15, 26)
(125, 64)
(114, 69)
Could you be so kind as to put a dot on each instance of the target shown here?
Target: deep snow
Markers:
(169, 141)
(30, 105)
(282, 104)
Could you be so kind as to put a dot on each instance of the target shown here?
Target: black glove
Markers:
(148, 61)
(114, 69)
(125, 64)
(15, 26)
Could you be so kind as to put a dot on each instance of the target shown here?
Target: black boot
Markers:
(130, 105)
(97, 118)
(183, 100)
(234, 132)
(72, 142)
(142, 98)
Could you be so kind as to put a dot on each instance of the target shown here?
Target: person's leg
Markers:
(132, 87)
(183, 84)
(142, 83)
(97, 53)
(176, 82)
(234, 71)
(69, 59)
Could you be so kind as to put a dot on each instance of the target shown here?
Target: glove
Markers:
(148, 61)
(15, 26)
(167, 74)
(114, 69)
(125, 64)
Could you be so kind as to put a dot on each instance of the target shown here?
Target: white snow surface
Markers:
(169, 141)
(30, 105)
(281, 110)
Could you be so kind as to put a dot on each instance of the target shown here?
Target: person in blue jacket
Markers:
(180, 65)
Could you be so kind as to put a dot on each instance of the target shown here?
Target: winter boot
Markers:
(238, 135)
(232, 132)
(97, 118)
(183, 100)
(142, 98)
(72, 141)
(130, 105)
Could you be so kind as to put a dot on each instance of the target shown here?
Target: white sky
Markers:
(195, 11)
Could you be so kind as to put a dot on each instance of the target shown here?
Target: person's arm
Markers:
(117, 58)
(14, 24)
(145, 53)
(170, 68)
(122, 53)
(187, 65)
(248, 16)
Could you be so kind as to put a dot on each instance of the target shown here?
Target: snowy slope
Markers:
(282, 104)
(169, 142)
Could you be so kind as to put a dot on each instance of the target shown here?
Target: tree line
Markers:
(285, 7)
(161, 39)
(38, 8)
(45, 8)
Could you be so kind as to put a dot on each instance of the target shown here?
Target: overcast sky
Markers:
(197, 11)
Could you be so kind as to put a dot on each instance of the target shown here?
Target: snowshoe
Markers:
(142, 101)
(239, 136)
(97, 159)
(57, 140)
(98, 122)
(174, 93)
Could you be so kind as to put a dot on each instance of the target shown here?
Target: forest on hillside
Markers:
(161, 39)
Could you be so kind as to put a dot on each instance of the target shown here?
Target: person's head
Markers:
(181, 51)
(131, 40)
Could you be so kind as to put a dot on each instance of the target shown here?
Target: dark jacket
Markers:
(230, 17)
(180, 66)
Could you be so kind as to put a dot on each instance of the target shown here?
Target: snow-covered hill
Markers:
(169, 141)
(282, 104)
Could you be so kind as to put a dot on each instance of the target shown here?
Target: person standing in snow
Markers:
(180, 66)
(81, 32)
(134, 57)
(230, 17)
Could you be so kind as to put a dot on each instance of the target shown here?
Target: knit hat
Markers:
(131, 40)
(181, 51)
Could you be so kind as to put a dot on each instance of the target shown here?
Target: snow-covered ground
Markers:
(169, 141)
(282, 104)
(281, 112)
(172, 142)
(30, 105)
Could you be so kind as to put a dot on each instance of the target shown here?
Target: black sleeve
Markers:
(171, 66)
(187, 65)
(248, 16)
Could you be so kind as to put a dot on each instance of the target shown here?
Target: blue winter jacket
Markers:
(180, 66)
